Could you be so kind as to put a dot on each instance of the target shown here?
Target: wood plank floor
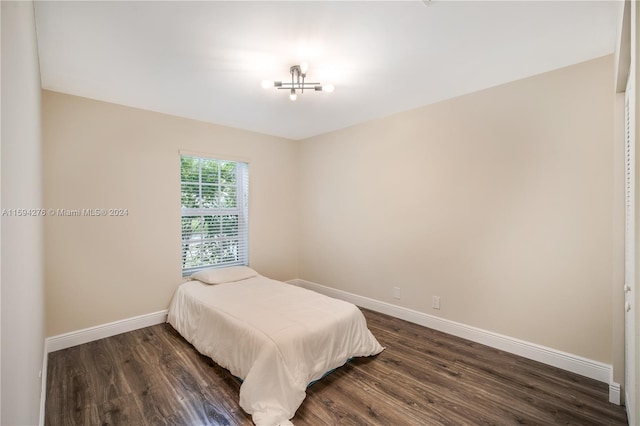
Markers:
(153, 376)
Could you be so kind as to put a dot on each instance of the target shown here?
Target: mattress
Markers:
(274, 336)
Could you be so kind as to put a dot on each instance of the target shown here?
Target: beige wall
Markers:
(101, 155)
(22, 289)
(500, 202)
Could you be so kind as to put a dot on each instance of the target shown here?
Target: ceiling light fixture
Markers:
(298, 75)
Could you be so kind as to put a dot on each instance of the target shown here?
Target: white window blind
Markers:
(214, 199)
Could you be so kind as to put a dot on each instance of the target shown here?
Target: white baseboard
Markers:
(614, 393)
(67, 340)
(566, 361)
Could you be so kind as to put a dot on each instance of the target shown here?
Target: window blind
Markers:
(214, 199)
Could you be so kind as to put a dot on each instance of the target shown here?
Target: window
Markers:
(214, 198)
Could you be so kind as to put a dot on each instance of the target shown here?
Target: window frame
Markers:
(241, 210)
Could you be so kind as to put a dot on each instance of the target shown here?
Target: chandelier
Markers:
(298, 83)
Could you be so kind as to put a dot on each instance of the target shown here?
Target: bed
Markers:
(276, 337)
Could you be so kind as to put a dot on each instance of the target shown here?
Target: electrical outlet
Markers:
(396, 292)
(435, 302)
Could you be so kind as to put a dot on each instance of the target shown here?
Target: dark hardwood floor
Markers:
(153, 376)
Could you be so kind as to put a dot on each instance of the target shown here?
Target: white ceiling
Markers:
(206, 60)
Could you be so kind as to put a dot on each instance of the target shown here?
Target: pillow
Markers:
(224, 275)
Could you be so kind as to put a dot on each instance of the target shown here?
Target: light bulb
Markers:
(304, 67)
(293, 95)
(328, 88)
(266, 84)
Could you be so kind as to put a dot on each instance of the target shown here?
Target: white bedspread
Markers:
(275, 336)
